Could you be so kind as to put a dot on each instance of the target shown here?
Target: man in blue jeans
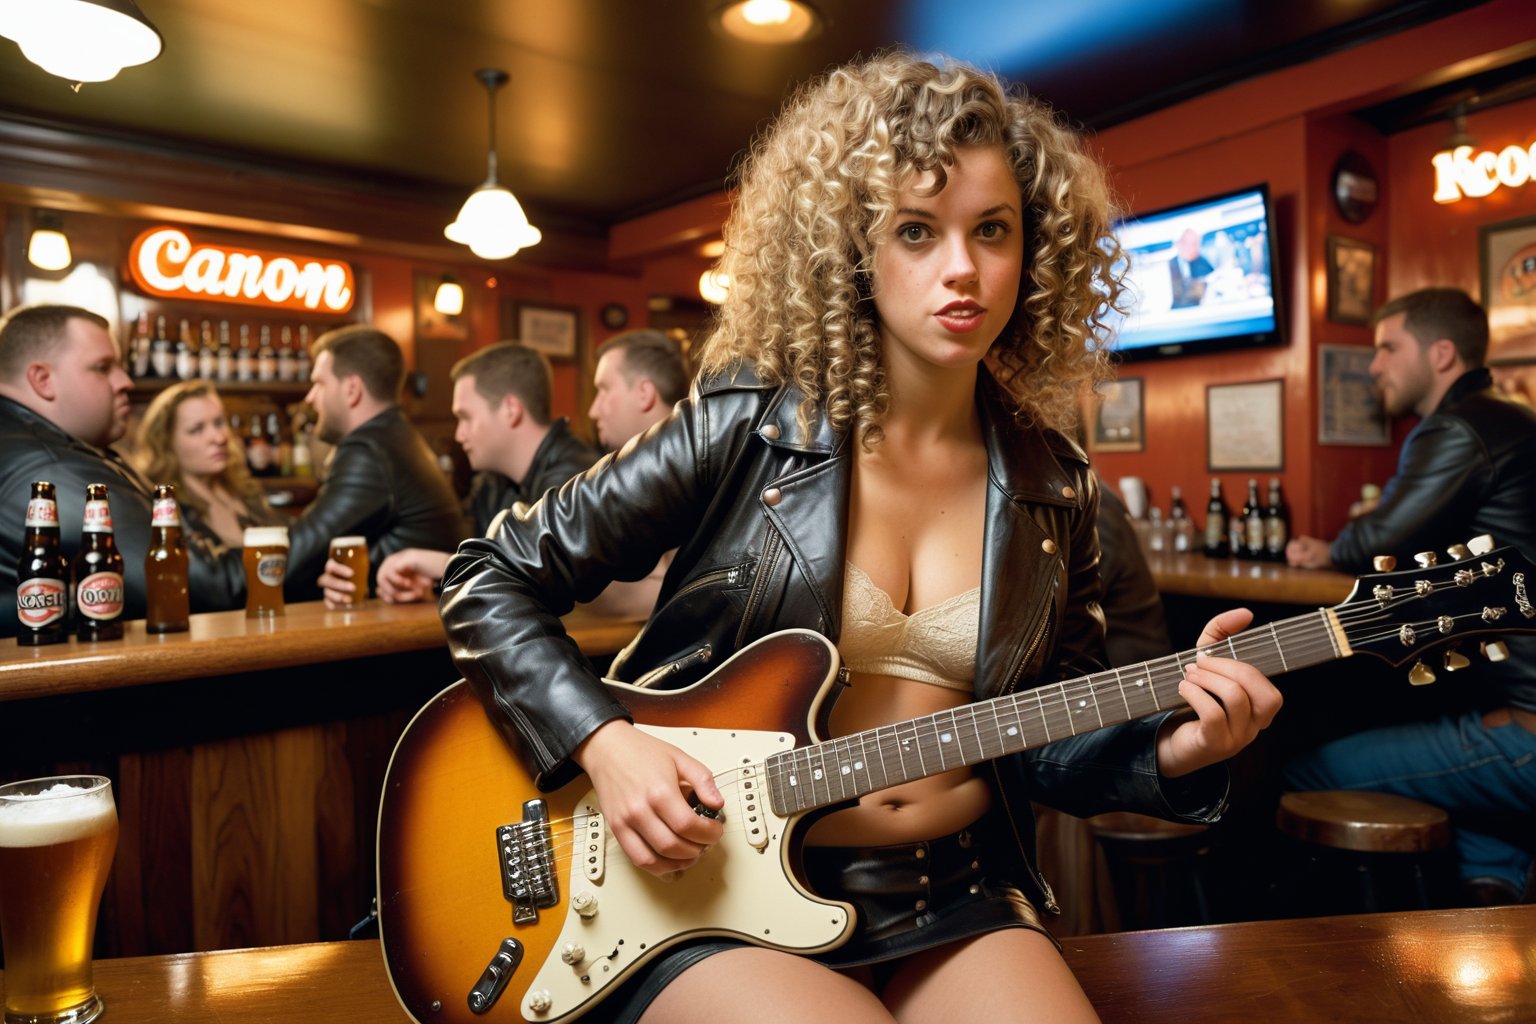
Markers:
(1467, 468)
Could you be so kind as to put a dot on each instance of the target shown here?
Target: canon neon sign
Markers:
(164, 261)
(1460, 173)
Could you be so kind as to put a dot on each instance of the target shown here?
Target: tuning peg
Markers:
(1426, 559)
(1481, 544)
(1455, 661)
(1458, 552)
(1384, 563)
(1420, 674)
(1495, 650)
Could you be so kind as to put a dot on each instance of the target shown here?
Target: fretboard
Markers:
(847, 767)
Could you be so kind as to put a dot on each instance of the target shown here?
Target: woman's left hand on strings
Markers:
(1233, 702)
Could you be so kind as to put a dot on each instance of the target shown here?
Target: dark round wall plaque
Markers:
(1355, 189)
(615, 316)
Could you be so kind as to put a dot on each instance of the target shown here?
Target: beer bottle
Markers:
(301, 358)
(266, 358)
(42, 574)
(165, 567)
(1253, 523)
(98, 571)
(139, 349)
(162, 352)
(1277, 523)
(186, 352)
(245, 356)
(258, 451)
(1179, 521)
(1216, 545)
(207, 353)
(287, 364)
(224, 361)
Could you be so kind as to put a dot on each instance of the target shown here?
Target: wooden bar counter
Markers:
(1438, 967)
(1238, 580)
(246, 756)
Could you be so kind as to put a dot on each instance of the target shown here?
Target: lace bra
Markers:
(935, 645)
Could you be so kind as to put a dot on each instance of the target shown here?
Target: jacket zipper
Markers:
(765, 566)
(731, 576)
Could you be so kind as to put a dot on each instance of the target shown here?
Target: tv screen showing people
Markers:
(1201, 276)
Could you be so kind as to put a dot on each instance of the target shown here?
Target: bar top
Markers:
(1194, 575)
(1470, 966)
(222, 643)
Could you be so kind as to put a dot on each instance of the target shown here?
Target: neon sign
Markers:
(1460, 173)
(164, 261)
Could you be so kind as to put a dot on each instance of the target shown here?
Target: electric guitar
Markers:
(499, 903)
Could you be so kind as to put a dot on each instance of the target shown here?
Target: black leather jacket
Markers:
(384, 484)
(560, 456)
(758, 518)
(33, 448)
(1468, 468)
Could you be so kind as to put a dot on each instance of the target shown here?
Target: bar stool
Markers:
(1157, 871)
(1364, 852)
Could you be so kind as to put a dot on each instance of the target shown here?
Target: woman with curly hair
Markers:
(874, 451)
(185, 440)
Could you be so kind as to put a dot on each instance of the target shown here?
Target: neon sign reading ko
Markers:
(164, 261)
(1459, 173)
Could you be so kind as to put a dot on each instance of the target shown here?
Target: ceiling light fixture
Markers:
(491, 221)
(81, 40)
(449, 299)
(49, 248)
(767, 21)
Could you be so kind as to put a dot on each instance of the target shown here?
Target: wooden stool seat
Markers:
(1156, 871)
(1126, 825)
(1368, 822)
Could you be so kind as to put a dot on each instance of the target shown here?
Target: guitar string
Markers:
(1170, 668)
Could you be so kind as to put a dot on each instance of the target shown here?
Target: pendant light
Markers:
(491, 221)
(767, 21)
(81, 40)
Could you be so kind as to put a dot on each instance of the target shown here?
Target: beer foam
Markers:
(43, 819)
(266, 536)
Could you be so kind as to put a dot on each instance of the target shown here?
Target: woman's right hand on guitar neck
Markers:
(642, 787)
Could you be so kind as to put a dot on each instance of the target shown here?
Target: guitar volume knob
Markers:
(539, 1001)
(585, 905)
(572, 953)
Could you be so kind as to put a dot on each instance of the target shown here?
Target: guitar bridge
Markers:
(527, 859)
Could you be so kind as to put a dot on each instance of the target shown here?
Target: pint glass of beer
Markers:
(353, 553)
(266, 564)
(57, 838)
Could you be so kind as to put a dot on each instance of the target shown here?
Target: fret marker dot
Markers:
(858, 766)
(944, 737)
(1013, 730)
(794, 780)
(1082, 703)
(845, 769)
(1140, 682)
(817, 775)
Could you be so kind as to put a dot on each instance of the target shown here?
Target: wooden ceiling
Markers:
(619, 107)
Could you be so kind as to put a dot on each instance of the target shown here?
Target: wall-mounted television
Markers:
(1200, 277)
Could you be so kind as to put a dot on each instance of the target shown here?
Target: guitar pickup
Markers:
(753, 821)
(592, 843)
(527, 859)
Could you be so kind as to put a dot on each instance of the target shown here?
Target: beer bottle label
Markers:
(1275, 534)
(167, 513)
(98, 517)
(1254, 530)
(42, 512)
(40, 601)
(271, 569)
(100, 596)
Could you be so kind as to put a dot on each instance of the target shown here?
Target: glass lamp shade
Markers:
(49, 250)
(80, 40)
(492, 223)
(768, 21)
(449, 299)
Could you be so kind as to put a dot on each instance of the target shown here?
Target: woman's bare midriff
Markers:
(923, 809)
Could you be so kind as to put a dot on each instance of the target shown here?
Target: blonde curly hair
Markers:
(818, 193)
(154, 454)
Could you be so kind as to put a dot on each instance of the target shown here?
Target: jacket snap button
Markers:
(772, 496)
(771, 432)
(1048, 546)
(1068, 492)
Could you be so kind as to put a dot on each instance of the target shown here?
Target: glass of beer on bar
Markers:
(57, 839)
(353, 553)
(266, 565)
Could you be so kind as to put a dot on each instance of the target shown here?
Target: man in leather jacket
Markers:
(63, 400)
(1465, 470)
(384, 482)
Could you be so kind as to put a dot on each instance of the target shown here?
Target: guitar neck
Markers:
(845, 768)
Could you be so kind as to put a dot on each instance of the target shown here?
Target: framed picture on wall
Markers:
(1351, 280)
(1350, 410)
(552, 330)
(1245, 426)
(1509, 277)
(1118, 422)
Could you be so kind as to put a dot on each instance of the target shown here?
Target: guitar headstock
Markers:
(1398, 616)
